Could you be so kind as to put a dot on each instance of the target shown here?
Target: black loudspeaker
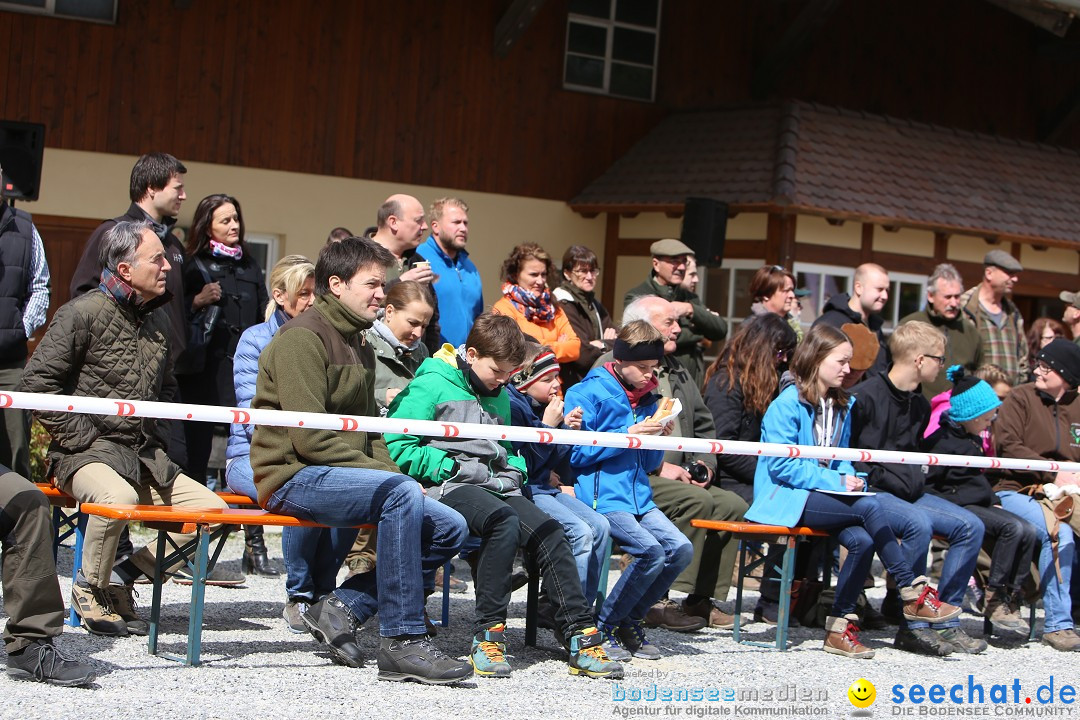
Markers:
(704, 228)
(21, 148)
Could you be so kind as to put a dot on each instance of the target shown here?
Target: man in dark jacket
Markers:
(891, 414)
(870, 292)
(683, 495)
(696, 322)
(114, 342)
(943, 310)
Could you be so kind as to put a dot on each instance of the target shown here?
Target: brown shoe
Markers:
(842, 638)
(716, 617)
(1001, 613)
(456, 585)
(671, 616)
(624, 561)
(921, 603)
(1062, 640)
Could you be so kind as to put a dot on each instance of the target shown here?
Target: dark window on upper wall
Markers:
(611, 47)
(101, 11)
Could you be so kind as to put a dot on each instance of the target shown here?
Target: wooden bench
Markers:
(195, 553)
(755, 532)
(749, 532)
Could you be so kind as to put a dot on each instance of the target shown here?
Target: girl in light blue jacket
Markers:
(791, 491)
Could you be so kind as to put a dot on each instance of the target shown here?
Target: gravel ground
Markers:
(255, 668)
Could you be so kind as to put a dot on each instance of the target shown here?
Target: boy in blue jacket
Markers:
(619, 397)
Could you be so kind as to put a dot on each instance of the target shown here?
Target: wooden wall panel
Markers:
(412, 92)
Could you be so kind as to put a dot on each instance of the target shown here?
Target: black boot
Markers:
(255, 560)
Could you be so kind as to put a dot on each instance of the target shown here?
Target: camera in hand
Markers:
(698, 473)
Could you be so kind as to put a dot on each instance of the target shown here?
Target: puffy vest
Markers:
(16, 236)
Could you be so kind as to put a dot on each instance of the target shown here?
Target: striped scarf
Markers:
(537, 308)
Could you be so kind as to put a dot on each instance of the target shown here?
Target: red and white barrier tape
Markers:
(346, 423)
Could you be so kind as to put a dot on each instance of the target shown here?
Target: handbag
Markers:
(200, 329)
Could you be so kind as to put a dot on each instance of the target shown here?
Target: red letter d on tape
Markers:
(349, 424)
(545, 436)
(241, 417)
(5, 400)
(124, 409)
(450, 430)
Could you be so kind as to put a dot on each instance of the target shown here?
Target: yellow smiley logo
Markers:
(862, 693)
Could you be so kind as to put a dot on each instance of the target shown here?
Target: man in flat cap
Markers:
(999, 321)
(1071, 318)
(669, 262)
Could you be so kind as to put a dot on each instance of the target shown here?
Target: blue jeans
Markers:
(863, 528)
(915, 523)
(240, 478)
(660, 553)
(414, 533)
(1056, 598)
(586, 530)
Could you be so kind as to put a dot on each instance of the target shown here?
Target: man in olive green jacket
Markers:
(319, 362)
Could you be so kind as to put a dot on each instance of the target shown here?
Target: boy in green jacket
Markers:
(482, 480)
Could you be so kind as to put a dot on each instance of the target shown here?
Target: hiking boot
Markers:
(219, 577)
(768, 613)
(489, 652)
(294, 614)
(922, 641)
(714, 616)
(416, 659)
(891, 607)
(961, 641)
(670, 615)
(41, 662)
(122, 601)
(921, 603)
(332, 623)
(456, 585)
(93, 605)
(1062, 640)
(587, 656)
(999, 611)
(613, 645)
(632, 637)
(842, 637)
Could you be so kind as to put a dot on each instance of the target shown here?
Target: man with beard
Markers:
(870, 292)
(458, 289)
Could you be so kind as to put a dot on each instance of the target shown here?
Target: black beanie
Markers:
(1063, 357)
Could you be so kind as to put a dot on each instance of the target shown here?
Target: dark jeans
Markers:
(1014, 546)
(414, 532)
(32, 599)
(504, 524)
(863, 528)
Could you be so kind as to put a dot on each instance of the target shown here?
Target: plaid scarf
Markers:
(537, 308)
(115, 286)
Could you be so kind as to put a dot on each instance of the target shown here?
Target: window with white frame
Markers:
(726, 290)
(611, 47)
(101, 11)
(264, 248)
(906, 291)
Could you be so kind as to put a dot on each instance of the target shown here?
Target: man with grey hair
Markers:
(944, 311)
(113, 342)
(683, 486)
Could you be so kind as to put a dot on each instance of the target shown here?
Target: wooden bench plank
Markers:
(752, 528)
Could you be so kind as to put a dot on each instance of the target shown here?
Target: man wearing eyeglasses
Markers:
(943, 310)
(997, 317)
(670, 258)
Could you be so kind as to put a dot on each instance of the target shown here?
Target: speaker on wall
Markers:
(704, 229)
(21, 148)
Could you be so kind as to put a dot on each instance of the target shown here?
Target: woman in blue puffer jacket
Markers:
(792, 490)
(292, 284)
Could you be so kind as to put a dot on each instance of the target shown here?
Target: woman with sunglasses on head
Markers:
(1037, 421)
(591, 320)
(973, 407)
